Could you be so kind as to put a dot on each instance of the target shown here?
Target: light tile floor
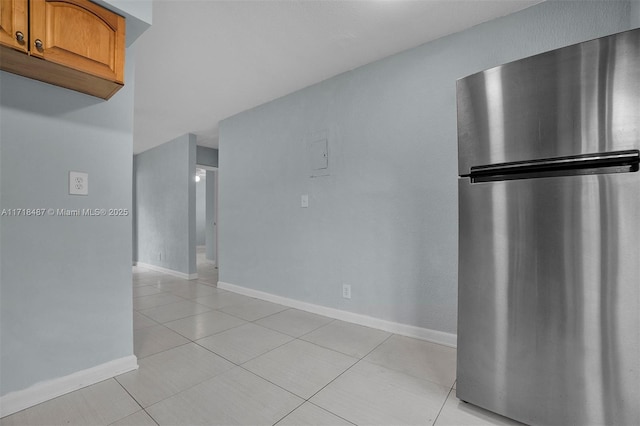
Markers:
(211, 357)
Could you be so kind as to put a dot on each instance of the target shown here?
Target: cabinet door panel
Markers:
(80, 35)
(13, 19)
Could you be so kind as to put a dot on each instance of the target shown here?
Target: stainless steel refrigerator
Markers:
(549, 257)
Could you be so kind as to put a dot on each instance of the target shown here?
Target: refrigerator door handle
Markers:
(587, 161)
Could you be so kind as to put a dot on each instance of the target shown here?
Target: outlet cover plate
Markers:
(78, 183)
(346, 291)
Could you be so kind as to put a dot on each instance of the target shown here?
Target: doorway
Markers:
(206, 224)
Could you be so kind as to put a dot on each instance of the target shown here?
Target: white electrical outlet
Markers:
(78, 183)
(346, 291)
(304, 201)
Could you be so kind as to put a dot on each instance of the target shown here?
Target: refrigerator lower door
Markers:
(549, 299)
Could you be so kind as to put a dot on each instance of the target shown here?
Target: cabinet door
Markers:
(13, 24)
(80, 35)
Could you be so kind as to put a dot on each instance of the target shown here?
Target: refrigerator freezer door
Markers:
(581, 99)
(549, 298)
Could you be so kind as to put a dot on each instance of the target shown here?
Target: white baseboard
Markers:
(439, 337)
(44, 391)
(167, 271)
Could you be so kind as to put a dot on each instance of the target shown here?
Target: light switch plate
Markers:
(304, 201)
(78, 183)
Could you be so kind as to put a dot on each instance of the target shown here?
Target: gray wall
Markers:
(65, 281)
(201, 205)
(138, 13)
(385, 219)
(206, 156)
(134, 215)
(210, 213)
(165, 205)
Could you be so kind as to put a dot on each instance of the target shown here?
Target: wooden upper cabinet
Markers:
(80, 35)
(75, 44)
(14, 25)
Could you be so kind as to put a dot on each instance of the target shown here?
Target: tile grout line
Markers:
(275, 384)
(270, 315)
(177, 319)
(338, 376)
(216, 375)
(139, 313)
(295, 337)
(183, 390)
(238, 326)
(165, 350)
(220, 309)
(216, 354)
(208, 335)
(442, 407)
(318, 328)
(270, 350)
(136, 401)
(151, 417)
(340, 352)
(331, 412)
(315, 405)
(190, 387)
(349, 368)
(188, 316)
(283, 417)
(409, 374)
(159, 306)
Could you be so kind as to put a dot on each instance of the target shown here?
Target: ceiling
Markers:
(204, 61)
